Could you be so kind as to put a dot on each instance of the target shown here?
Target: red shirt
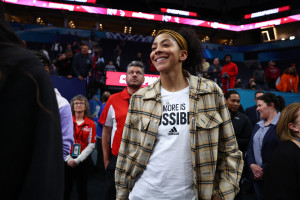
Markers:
(272, 73)
(114, 115)
(83, 131)
(231, 69)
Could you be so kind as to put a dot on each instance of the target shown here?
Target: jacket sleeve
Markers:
(250, 153)
(91, 144)
(284, 80)
(66, 128)
(247, 130)
(124, 164)
(234, 70)
(230, 163)
(295, 86)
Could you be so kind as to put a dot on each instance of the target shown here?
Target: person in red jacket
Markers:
(272, 73)
(228, 74)
(76, 168)
(289, 81)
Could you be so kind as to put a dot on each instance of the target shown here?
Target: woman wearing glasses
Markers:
(282, 177)
(76, 167)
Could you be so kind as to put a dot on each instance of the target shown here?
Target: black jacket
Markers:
(270, 142)
(243, 128)
(31, 148)
(253, 114)
(82, 65)
(282, 174)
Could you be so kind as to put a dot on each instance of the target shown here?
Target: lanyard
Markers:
(77, 135)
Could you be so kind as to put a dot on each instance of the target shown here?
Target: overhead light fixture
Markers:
(282, 38)
(292, 37)
(153, 33)
(71, 24)
(40, 21)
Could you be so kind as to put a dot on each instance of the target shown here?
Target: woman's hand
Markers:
(257, 171)
(72, 163)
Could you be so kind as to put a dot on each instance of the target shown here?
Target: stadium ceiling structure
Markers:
(144, 17)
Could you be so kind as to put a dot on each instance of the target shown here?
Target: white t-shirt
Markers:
(169, 174)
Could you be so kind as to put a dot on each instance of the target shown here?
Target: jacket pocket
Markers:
(207, 136)
(139, 123)
(208, 120)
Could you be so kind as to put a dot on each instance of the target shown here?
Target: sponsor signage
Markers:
(178, 12)
(119, 79)
(155, 17)
(266, 12)
(83, 1)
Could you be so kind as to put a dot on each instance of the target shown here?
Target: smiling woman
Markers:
(264, 139)
(165, 122)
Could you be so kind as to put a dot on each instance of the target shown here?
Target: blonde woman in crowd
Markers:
(282, 177)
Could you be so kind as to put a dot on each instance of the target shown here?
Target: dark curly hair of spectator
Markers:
(195, 51)
(269, 98)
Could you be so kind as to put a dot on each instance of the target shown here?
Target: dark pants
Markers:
(79, 175)
(258, 189)
(100, 162)
(110, 190)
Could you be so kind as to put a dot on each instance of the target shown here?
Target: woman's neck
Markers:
(173, 81)
(271, 117)
(79, 116)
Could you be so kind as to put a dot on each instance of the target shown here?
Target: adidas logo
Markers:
(173, 131)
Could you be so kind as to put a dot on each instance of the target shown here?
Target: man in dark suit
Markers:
(242, 126)
(251, 112)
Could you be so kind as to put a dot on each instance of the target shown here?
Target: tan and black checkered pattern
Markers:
(216, 160)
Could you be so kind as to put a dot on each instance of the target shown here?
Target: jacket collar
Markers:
(198, 86)
(84, 121)
(125, 94)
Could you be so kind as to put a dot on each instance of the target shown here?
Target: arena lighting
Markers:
(178, 12)
(154, 17)
(82, 1)
(267, 12)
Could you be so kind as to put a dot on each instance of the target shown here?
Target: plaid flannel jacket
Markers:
(216, 160)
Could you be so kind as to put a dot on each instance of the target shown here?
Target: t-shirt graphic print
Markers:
(169, 174)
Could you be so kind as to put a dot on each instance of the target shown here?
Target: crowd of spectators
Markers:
(85, 59)
(255, 129)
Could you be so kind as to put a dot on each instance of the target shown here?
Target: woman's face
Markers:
(79, 106)
(263, 109)
(295, 126)
(166, 54)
